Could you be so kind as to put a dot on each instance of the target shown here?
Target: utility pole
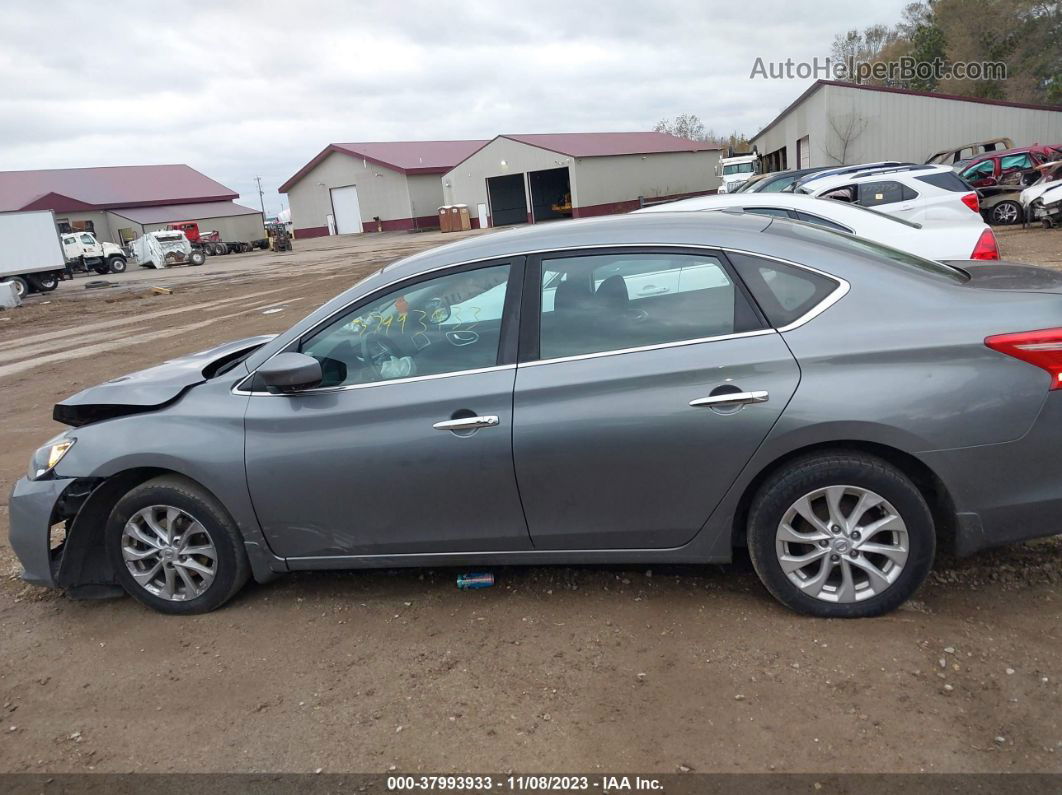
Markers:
(261, 197)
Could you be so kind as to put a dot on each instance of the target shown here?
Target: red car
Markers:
(992, 168)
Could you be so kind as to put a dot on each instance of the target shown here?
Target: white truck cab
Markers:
(83, 250)
(737, 169)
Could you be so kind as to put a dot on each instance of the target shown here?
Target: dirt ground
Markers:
(555, 668)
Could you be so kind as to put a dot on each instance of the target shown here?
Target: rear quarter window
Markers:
(785, 293)
(948, 180)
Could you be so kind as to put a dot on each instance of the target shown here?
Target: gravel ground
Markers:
(555, 668)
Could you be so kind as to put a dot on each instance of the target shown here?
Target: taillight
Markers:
(986, 247)
(970, 200)
(1042, 349)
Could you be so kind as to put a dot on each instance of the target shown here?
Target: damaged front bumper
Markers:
(32, 512)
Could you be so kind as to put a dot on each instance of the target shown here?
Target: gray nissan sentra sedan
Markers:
(656, 388)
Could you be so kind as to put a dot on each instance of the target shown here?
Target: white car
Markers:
(923, 194)
(940, 240)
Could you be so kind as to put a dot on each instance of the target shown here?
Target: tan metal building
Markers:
(527, 178)
(835, 123)
(371, 187)
(119, 203)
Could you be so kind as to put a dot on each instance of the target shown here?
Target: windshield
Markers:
(738, 168)
(868, 248)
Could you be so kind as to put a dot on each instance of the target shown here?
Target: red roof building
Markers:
(517, 179)
(120, 202)
(356, 187)
(373, 186)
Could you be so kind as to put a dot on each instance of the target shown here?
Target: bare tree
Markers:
(686, 126)
(847, 130)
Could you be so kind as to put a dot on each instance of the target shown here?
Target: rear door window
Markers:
(776, 212)
(1011, 162)
(872, 194)
(606, 302)
(820, 221)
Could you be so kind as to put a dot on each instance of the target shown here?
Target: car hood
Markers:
(1036, 191)
(1002, 275)
(146, 390)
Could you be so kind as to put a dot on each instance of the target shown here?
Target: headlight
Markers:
(45, 459)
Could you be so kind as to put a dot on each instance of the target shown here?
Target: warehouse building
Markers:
(835, 123)
(372, 187)
(120, 203)
(517, 179)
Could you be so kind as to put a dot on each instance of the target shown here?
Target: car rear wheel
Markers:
(842, 535)
(175, 548)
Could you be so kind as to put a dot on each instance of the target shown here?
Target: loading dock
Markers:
(508, 200)
(551, 194)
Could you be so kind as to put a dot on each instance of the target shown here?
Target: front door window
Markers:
(447, 324)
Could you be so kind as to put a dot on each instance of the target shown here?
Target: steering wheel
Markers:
(376, 350)
(438, 310)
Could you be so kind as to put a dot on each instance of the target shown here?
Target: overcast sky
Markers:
(238, 89)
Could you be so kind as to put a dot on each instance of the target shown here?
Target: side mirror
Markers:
(290, 372)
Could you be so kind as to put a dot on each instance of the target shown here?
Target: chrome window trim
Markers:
(657, 347)
(842, 289)
(236, 390)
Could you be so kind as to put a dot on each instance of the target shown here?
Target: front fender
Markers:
(200, 437)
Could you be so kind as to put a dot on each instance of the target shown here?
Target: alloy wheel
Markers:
(169, 553)
(1006, 213)
(842, 544)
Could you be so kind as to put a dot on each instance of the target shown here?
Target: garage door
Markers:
(508, 200)
(346, 210)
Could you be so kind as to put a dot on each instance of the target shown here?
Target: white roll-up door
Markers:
(346, 209)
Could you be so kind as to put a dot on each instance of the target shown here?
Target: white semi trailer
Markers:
(31, 257)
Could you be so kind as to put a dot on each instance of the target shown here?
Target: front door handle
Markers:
(731, 399)
(467, 423)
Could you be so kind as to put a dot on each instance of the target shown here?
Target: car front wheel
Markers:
(175, 548)
(841, 535)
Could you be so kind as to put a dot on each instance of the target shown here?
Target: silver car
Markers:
(642, 389)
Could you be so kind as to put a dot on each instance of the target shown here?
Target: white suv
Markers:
(915, 193)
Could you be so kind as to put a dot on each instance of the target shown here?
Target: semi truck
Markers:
(211, 242)
(31, 257)
(737, 168)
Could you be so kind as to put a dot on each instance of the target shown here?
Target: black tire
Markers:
(245, 248)
(221, 249)
(44, 282)
(22, 287)
(116, 264)
(232, 569)
(1006, 213)
(196, 258)
(802, 477)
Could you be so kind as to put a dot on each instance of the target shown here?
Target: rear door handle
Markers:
(467, 423)
(731, 398)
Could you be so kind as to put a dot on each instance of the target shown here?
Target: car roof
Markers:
(1017, 150)
(898, 173)
(852, 215)
(664, 228)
